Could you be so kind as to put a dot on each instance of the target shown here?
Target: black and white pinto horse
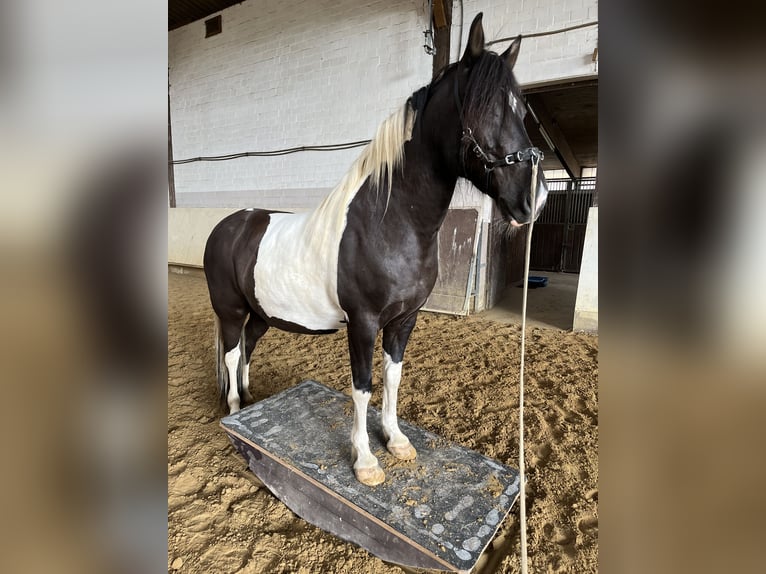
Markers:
(366, 258)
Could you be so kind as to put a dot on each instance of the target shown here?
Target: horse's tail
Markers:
(221, 372)
(242, 362)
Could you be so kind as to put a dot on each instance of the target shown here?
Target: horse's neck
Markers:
(424, 188)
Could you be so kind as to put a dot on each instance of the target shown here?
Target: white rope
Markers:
(522, 479)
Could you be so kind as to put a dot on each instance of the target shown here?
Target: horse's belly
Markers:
(296, 276)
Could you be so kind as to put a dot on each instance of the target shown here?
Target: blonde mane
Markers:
(378, 162)
(384, 153)
(296, 275)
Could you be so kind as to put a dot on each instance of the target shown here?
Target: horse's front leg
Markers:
(395, 337)
(361, 342)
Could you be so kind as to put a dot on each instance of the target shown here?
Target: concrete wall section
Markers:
(188, 230)
(277, 199)
(586, 304)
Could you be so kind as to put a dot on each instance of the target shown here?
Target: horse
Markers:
(366, 258)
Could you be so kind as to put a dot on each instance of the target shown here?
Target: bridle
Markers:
(533, 154)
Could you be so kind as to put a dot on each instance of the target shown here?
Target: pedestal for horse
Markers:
(438, 511)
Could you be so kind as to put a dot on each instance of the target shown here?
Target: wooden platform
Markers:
(439, 511)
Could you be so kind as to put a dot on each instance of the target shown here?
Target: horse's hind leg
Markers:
(231, 333)
(255, 328)
(395, 337)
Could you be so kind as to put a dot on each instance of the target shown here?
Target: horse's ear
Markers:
(512, 52)
(475, 45)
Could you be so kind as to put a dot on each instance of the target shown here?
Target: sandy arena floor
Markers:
(460, 380)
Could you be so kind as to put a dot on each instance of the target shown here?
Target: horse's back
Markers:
(282, 266)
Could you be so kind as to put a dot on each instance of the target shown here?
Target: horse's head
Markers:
(496, 153)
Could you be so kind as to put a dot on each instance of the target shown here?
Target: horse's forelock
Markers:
(489, 74)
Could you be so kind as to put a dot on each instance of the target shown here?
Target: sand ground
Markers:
(460, 380)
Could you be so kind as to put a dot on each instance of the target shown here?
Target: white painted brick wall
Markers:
(545, 59)
(287, 73)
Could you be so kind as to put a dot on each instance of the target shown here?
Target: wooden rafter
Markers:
(555, 135)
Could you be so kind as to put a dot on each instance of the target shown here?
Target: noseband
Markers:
(533, 154)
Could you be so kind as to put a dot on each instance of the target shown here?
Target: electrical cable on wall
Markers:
(547, 33)
(273, 153)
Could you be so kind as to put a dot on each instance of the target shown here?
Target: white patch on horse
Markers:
(232, 362)
(296, 273)
(359, 439)
(392, 375)
(513, 101)
(246, 381)
(540, 195)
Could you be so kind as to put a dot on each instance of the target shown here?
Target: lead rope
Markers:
(522, 479)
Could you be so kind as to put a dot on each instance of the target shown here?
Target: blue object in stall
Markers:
(536, 281)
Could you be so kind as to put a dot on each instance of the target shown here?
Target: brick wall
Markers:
(287, 73)
(544, 59)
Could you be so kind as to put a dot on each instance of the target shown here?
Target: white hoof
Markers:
(370, 476)
(403, 452)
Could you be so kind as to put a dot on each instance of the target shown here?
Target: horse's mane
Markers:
(385, 152)
(379, 159)
(488, 73)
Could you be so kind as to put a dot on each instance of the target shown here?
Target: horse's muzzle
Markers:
(540, 197)
(526, 215)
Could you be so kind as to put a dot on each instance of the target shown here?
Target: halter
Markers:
(533, 154)
(528, 154)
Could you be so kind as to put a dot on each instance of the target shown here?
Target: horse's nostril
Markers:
(526, 205)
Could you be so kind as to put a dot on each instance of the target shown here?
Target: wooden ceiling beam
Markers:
(561, 147)
(442, 14)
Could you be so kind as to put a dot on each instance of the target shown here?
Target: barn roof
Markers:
(182, 12)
